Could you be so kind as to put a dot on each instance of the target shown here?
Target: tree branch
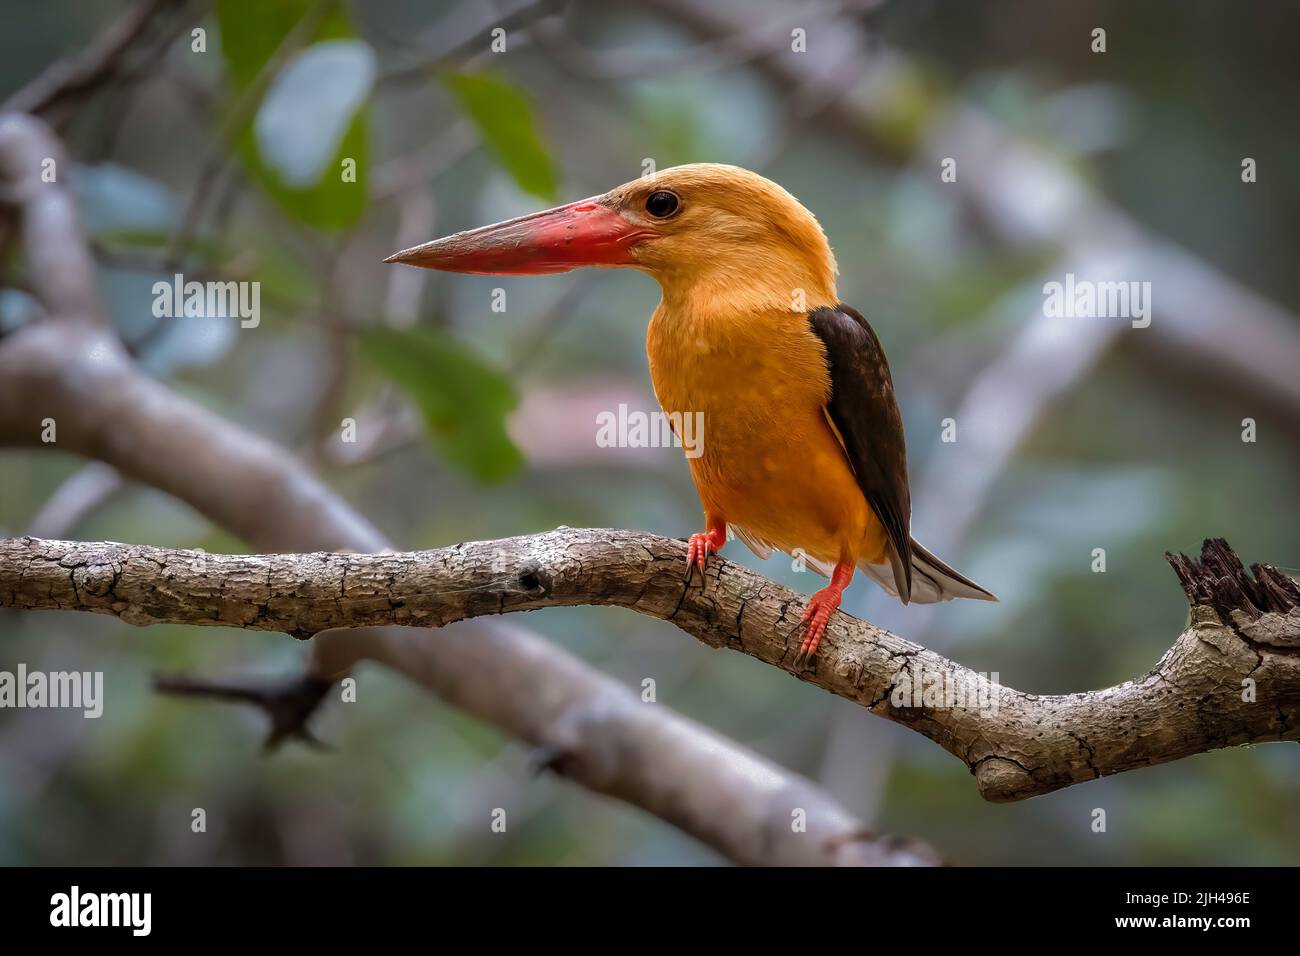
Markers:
(88, 68)
(59, 265)
(1232, 677)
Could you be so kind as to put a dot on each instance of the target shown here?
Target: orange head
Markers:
(703, 231)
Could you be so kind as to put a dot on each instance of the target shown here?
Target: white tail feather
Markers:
(933, 581)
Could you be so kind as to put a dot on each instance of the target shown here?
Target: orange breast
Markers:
(770, 461)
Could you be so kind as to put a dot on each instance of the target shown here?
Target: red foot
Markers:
(818, 613)
(702, 544)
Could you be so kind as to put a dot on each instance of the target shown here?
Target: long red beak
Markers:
(583, 233)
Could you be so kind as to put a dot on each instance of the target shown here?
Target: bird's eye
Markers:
(661, 204)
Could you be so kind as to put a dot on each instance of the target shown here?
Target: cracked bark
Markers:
(1231, 677)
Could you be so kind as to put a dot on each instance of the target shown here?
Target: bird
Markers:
(802, 449)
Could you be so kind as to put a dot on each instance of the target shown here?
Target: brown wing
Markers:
(864, 412)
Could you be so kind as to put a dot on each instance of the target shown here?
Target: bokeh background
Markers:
(1073, 434)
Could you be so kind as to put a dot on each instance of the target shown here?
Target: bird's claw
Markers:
(815, 618)
(699, 547)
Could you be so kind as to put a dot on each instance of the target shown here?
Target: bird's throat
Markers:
(727, 294)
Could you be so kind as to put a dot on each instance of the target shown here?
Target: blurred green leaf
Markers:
(313, 116)
(309, 107)
(464, 400)
(252, 32)
(504, 118)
